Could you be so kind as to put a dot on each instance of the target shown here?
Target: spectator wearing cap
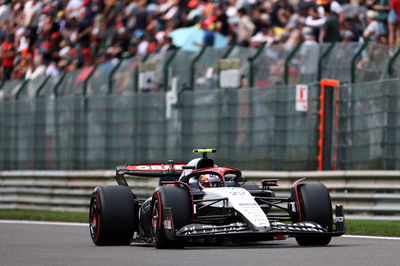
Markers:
(209, 35)
(309, 56)
(371, 32)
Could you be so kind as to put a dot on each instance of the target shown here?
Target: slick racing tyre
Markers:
(112, 215)
(178, 200)
(315, 207)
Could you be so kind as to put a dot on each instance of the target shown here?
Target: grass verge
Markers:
(52, 216)
(373, 228)
(354, 227)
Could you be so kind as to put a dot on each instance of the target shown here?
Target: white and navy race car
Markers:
(200, 202)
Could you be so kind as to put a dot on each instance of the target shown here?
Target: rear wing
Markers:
(166, 172)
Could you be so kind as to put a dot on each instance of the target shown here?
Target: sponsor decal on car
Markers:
(154, 167)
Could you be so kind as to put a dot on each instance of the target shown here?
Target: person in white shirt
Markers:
(371, 32)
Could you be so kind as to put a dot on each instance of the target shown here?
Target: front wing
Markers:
(242, 230)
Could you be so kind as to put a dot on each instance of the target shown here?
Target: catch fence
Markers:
(121, 111)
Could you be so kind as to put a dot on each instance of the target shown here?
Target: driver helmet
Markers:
(210, 180)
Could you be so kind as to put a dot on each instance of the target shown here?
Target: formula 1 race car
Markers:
(200, 202)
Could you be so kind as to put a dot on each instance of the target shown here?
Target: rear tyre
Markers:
(179, 201)
(315, 206)
(112, 215)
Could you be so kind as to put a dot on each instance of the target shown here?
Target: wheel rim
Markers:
(94, 218)
(154, 220)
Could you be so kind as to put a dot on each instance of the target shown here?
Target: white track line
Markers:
(41, 223)
(85, 224)
(373, 237)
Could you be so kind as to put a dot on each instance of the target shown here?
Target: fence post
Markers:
(109, 110)
(37, 94)
(193, 65)
(287, 61)
(391, 63)
(166, 65)
(84, 133)
(23, 85)
(228, 51)
(111, 75)
(322, 57)
(41, 86)
(17, 116)
(251, 60)
(36, 127)
(58, 84)
(86, 81)
(354, 61)
(57, 120)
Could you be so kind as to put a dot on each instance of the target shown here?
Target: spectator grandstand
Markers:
(45, 37)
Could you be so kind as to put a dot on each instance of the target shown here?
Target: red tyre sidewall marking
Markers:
(158, 198)
(98, 218)
(298, 198)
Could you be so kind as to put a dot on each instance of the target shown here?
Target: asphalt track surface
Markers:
(33, 244)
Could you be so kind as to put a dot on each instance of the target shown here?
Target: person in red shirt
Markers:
(393, 23)
(7, 56)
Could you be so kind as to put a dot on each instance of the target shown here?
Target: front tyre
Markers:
(315, 206)
(179, 201)
(112, 215)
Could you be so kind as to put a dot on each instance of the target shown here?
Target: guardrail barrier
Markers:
(365, 194)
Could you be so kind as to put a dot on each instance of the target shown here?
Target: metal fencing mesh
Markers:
(98, 83)
(10, 89)
(124, 79)
(181, 68)
(251, 128)
(206, 69)
(337, 65)
(74, 81)
(243, 54)
(270, 66)
(373, 63)
(58, 127)
(396, 66)
(369, 126)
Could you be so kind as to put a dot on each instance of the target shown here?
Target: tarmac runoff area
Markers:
(49, 243)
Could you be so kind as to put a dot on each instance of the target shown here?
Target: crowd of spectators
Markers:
(45, 37)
